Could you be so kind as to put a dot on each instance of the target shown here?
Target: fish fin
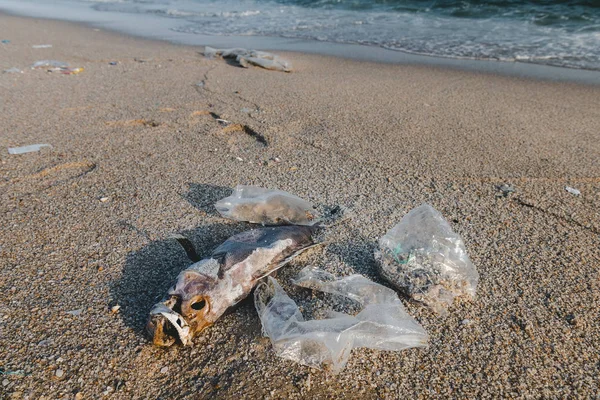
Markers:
(289, 258)
(188, 246)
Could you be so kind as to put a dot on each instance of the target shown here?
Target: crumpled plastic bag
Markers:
(49, 64)
(245, 58)
(266, 206)
(423, 257)
(383, 323)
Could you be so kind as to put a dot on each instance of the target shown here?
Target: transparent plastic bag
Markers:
(382, 324)
(246, 58)
(49, 64)
(265, 206)
(270, 62)
(423, 257)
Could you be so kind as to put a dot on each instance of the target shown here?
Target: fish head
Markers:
(188, 307)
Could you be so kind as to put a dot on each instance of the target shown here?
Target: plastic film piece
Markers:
(425, 258)
(267, 207)
(382, 324)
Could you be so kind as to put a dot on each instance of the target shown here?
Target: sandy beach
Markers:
(137, 157)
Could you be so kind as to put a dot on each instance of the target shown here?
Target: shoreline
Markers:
(161, 30)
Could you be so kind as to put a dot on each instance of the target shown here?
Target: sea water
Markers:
(551, 32)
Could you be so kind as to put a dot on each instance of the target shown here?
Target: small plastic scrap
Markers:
(423, 257)
(27, 149)
(382, 324)
(505, 190)
(572, 190)
(41, 46)
(5, 41)
(245, 58)
(113, 63)
(69, 71)
(276, 64)
(266, 206)
(49, 64)
(13, 70)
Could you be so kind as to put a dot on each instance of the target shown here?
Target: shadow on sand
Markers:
(204, 196)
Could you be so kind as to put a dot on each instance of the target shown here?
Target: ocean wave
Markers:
(509, 30)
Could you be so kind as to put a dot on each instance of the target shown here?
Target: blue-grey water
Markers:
(551, 32)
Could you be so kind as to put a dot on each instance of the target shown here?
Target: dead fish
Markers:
(206, 289)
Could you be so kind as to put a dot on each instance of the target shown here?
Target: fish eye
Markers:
(198, 305)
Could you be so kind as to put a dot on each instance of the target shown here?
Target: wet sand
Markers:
(137, 157)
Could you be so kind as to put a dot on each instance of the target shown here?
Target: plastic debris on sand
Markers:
(69, 71)
(49, 64)
(423, 257)
(505, 190)
(266, 206)
(5, 41)
(382, 324)
(41, 46)
(13, 70)
(572, 190)
(28, 149)
(245, 58)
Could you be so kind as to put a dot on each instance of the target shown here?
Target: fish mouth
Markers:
(167, 326)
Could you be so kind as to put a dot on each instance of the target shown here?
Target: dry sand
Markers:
(136, 157)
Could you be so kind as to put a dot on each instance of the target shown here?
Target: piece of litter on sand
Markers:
(164, 370)
(113, 63)
(266, 206)
(239, 158)
(572, 190)
(4, 41)
(382, 324)
(222, 122)
(246, 57)
(103, 199)
(505, 190)
(41, 46)
(69, 71)
(275, 64)
(28, 149)
(49, 64)
(426, 259)
(18, 372)
(75, 312)
(13, 70)
(115, 309)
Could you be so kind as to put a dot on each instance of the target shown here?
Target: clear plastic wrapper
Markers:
(13, 70)
(49, 64)
(245, 58)
(423, 257)
(266, 206)
(382, 324)
(28, 149)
